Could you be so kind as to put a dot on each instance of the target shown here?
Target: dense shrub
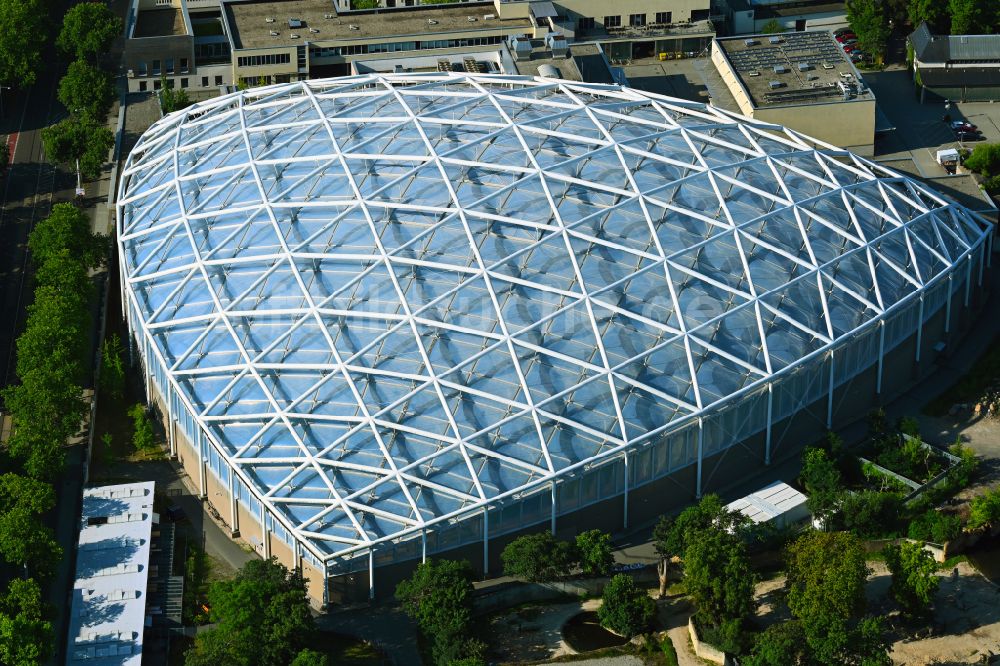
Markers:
(984, 510)
(871, 514)
(914, 582)
(935, 527)
(593, 548)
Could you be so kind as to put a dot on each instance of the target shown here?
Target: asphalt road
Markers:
(27, 192)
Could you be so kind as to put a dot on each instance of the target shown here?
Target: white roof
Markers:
(768, 503)
(112, 565)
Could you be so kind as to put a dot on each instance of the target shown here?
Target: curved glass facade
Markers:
(377, 303)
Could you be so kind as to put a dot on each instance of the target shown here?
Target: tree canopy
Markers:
(261, 616)
(438, 596)
(720, 581)
(822, 482)
(914, 582)
(537, 557)
(593, 548)
(86, 90)
(672, 536)
(67, 228)
(80, 139)
(625, 609)
(26, 635)
(826, 591)
(22, 37)
(88, 29)
(869, 21)
(781, 644)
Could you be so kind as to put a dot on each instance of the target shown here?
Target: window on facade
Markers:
(141, 68)
(699, 15)
(612, 21)
(585, 23)
(156, 84)
(142, 86)
(171, 83)
(637, 19)
(156, 68)
(184, 64)
(184, 83)
(664, 17)
(267, 59)
(218, 80)
(170, 65)
(204, 82)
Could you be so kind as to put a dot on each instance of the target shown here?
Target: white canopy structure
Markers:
(380, 304)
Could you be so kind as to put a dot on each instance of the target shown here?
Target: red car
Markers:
(846, 36)
(963, 126)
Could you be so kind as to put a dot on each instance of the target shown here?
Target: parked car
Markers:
(849, 43)
(843, 31)
(857, 56)
(969, 136)
(846, 36)
(963, 126)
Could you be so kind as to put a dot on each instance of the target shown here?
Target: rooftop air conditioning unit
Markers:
(471, 19)
(780, 69)
(293, 36)
(804, 67)
(827, 65)
(774, 85)
(313, 30)
(431, 22)
(269, 19)
(274, 33)
(775, 40)
(353, 27)
(328, 16)
(489, 17)
(751, 42)
(294, 23)
(753, 72)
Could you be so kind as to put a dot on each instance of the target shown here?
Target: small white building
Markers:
(108, 612)
(778, 503)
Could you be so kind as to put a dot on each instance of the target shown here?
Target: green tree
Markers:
(24, 540)
(984, 510)
(26, 636)
(537, 558)
(88, 29)
(625, 609)
(67, 276)
(142, 428)
(871, 514)
(67, 228)
(868, 19)
(22, 37)
(720, 583)
(914, 582)
(172, 99)
(261, 616)
(594, 550)
(826, 590)
(80, 139)
(781, 644)
(113, 367)
(87, 90)
(438, 596)
(773, 27)
(966, 17)
(822, 482)
(309, 657)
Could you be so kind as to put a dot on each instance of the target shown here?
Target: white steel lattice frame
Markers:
(323, 269)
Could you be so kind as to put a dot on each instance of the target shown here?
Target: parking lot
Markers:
(920, 131)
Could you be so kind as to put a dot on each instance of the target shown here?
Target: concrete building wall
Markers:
(849, 124)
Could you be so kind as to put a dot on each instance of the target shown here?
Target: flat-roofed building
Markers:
(751, 16)
(108, 615)
(802, 80)
(778, 504)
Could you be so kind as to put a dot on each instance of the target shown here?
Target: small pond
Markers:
(584, 633)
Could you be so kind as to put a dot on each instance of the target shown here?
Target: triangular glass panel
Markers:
(644, 411)
(665, 369)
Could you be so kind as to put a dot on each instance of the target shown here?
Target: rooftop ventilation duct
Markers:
(549, 72)
(521, 48)
(557, 44)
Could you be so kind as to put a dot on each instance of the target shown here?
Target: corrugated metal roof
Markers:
(768, 503)
(953, 48)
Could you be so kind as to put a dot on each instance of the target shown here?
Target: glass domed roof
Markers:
(390, 299)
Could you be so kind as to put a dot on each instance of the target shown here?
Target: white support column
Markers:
(171, 431)
(234, 513)
(770, 411)
(968, 279)
(881, 356)
(486, 542)
(829, 395)
(371, 573)
(920, 328)
(947, 307)
(202, 466)
(423, 545)
(701, 431)
(267, 541)
(552, 527)
(296, 554)
(625, 511)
